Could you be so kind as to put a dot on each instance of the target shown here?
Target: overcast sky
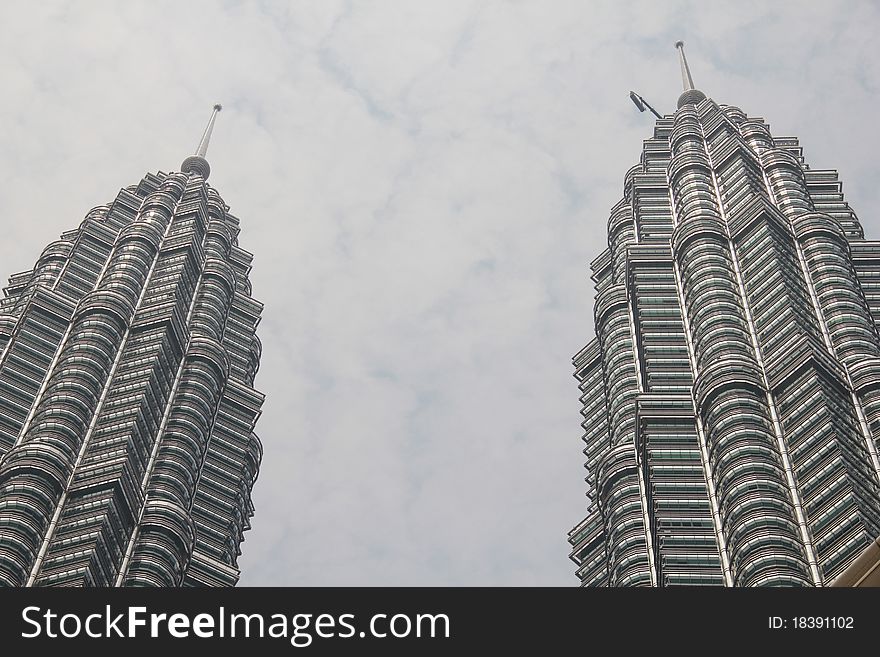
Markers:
(423, 185)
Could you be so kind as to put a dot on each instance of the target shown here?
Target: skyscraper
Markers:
(731, 395)
(127, 407)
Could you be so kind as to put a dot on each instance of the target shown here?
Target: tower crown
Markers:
(197, 163)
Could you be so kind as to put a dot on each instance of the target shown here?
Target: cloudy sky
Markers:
(423, 185)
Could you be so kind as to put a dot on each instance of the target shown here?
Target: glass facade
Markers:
(731, 396)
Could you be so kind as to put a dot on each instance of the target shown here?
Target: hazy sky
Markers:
(423, 185)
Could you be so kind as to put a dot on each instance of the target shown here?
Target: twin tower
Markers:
(127, 357)
(731, 394)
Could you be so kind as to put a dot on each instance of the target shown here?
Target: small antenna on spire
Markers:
(691, 95)
(197, 163)
(206, 137)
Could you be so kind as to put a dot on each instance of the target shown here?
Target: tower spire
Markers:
(686, 80)
(691, 95)
(197, 163)
(206, 137)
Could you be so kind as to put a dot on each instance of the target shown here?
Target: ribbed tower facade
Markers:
(731, 396)
(127, 406)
